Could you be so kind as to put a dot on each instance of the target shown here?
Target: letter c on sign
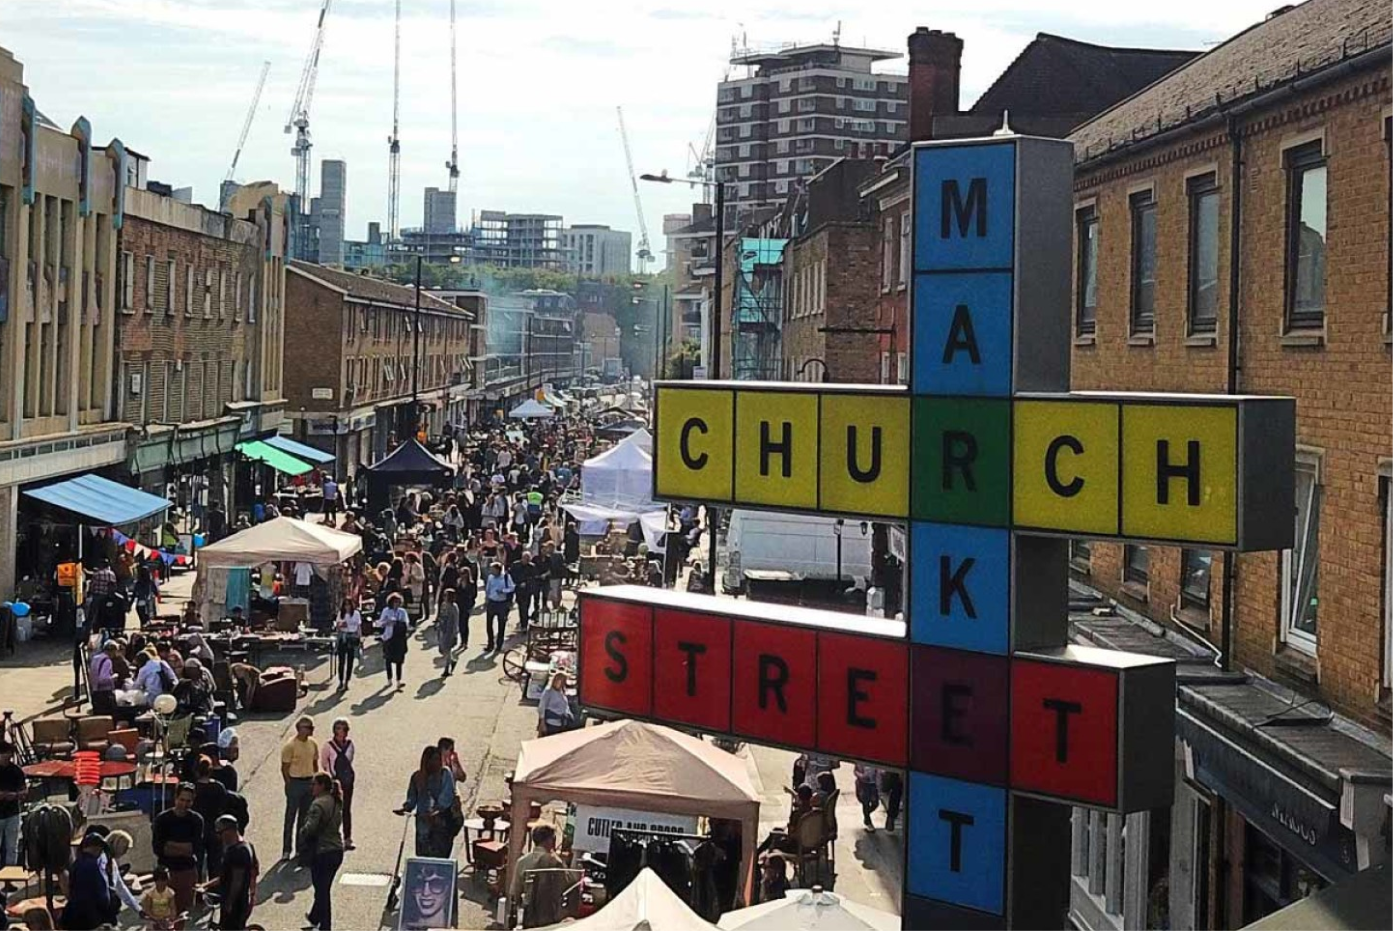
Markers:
(1074, 485)
(696, 462)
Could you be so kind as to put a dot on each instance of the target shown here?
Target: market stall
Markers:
(410, 464)
(620, 478)
(636, 766)
(531, 410)
(809, 910)
(645, 904)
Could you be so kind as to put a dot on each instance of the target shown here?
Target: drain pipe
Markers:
(1230, 563)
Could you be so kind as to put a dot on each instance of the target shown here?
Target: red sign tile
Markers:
(616, 656)
(775, 687)
(960, 725)
(691, 660)
(1064, 731)
(863, 698)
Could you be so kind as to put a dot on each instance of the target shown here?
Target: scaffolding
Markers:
(757, 310)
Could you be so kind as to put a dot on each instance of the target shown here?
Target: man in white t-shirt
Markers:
(303, 573)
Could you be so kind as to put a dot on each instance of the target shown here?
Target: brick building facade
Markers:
(198, 298)
(1232, 236)
(349, 369)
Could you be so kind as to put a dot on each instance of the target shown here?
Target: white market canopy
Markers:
(530, 410)
(646, 904)
(642, 439)
(809, 910)
(284, 539)
(620, 478)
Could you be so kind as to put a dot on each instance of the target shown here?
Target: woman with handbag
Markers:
(431, 794)
(554, 713)
(348, 639)
(336, 759)
(321, 843)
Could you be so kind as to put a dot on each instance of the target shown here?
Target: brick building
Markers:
(198, 300)
(349, 367)
(1232, 236)
(826, 334)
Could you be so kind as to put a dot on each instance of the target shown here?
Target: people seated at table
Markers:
(784, 839)
(155, 677)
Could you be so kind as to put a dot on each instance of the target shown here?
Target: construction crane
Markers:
(645, 253)
(242, 139)
(453, 164)
(299, 121)
(394, 142)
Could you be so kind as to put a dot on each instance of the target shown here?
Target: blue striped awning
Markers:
(307, 453)
(101, 501)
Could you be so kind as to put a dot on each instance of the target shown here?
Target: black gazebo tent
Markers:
(408, 464)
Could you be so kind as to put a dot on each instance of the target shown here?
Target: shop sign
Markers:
(593, 825)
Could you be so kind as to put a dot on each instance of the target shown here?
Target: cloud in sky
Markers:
(539, 81)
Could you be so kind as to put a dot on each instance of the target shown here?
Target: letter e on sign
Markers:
(616, 656)
(775, 684)
(692, 653)
(1180, 473)
(862, 698)
(692, 453)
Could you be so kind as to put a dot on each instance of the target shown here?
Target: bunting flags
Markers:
(142, 551)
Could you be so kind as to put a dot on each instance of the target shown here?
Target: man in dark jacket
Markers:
(89, 895)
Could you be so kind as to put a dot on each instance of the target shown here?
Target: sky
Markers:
(539, 81)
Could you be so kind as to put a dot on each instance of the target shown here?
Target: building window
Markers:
(1086, 300)
(1272, 878)
(171, 276)
(222, 293)
(1204, 254)
(126, 292)
(1194, 579)
(903, 277)
(1143, 316)
(1081, 555)
(149, 284)
(1306, 202)
(188, 291)
(1301, 564)
(251, 298)
(1136, 565)
(887, 253)
(208, 294)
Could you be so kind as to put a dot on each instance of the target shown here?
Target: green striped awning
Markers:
(275, 458)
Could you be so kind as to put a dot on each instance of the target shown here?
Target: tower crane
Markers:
(299, 121)
(453, 164)
(242, 139)
(394, 142)
(645, 252)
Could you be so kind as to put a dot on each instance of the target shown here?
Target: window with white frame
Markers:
(149, 284)
(903, 277)
(170, 278)
(251, 298)
(127, 275)
(222, 293)
(887, 253)
(884, 367)
(208, 294)
(188, 290)
(902, 368)
(1301, 563)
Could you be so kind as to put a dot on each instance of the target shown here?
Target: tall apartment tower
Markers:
(330, 209)
(440, 211)
(797, 110)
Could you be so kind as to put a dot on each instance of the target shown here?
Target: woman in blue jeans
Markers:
(321, 840)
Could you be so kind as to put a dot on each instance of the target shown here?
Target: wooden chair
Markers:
(52, 737)
(811, 843)
(94, 733)
(829, 819)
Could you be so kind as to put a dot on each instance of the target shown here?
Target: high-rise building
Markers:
(329, 210)
(672, 222)
(596, 250)
(440, 211)
(516, 240)
(796, 111)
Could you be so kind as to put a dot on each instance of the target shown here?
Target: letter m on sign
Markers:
(967, 213)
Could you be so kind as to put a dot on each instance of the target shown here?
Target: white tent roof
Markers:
(530, 409)
(640, 438)
(284, 538)
(809, 910)
(646, 904)
(620, 478)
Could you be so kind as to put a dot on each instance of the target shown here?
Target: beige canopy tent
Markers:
(639, 766)
(646, 904)
(809, 910)
(284, 539)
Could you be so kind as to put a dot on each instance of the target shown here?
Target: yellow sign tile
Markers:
(1180, 473)
(693, 454)
(776, 449)
(1065, 466)
(864, 455)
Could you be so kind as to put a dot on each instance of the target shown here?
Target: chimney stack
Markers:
(935, 60)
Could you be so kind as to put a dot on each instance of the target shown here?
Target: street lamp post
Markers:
(714, 371)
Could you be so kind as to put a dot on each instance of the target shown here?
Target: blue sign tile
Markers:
(957, 842)
(962, 334)
(964, 210)
(960, 586)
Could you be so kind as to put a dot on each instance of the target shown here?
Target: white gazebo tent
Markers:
(620, 478)
(530, 410)
(284, 539)
(809, 910)
(646, 904)
(639, 766)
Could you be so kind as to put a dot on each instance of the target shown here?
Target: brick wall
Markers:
(851, 302)
(1342, 381)
(312, 308)
(804, 318)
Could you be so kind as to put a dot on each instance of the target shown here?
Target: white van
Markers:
(795, 547)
